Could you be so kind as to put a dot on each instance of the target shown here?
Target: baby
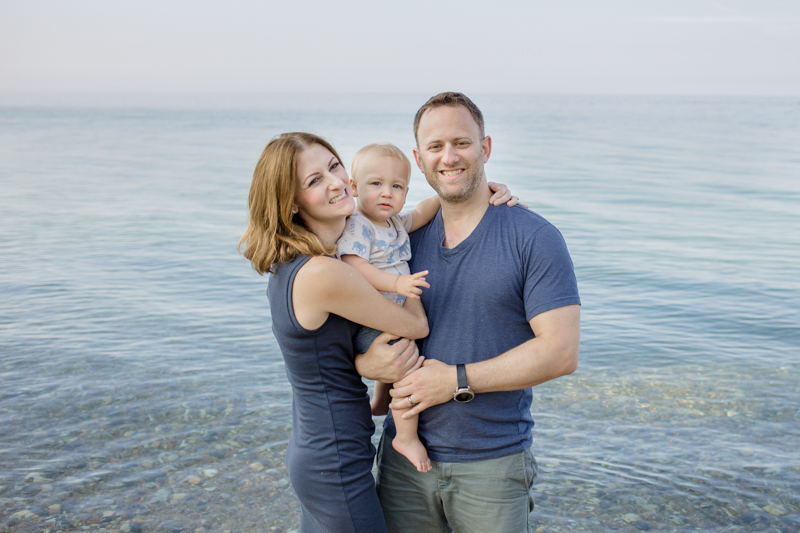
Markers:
(375, 241)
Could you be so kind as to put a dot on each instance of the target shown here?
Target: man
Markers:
(504, 315)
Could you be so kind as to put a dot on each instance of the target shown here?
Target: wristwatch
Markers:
(463, 393)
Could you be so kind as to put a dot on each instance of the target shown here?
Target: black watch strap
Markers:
(461, 370)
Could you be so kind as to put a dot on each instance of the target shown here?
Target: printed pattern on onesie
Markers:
(386, 248)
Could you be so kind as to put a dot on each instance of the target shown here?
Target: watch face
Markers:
(464, 396)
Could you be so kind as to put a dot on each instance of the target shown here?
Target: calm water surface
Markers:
(141, 388)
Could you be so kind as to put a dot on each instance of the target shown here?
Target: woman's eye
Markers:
(335, 165)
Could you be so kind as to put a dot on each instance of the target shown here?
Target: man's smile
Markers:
(451, 173)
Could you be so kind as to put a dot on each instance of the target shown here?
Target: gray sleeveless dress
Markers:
(330, 453)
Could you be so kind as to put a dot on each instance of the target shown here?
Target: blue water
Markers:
(141, 388)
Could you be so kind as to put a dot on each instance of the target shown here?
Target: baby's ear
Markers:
(354, 187)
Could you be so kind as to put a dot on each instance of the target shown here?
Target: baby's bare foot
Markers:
(414, 451)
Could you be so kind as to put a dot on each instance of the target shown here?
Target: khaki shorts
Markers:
(488, 496)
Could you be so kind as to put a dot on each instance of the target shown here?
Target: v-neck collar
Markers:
(472, 238)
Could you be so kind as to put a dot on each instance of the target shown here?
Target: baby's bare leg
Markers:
(407, 442)
(381, 399)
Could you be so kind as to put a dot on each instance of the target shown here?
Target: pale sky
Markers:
(725, 47)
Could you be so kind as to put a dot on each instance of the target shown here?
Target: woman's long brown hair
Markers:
(274, 234)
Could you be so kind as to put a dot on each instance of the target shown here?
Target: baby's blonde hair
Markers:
(387, 149)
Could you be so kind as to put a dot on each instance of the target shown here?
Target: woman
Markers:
(299, 199)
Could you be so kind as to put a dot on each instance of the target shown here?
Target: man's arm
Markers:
(552, 354)
(388, 362)
(426, 210)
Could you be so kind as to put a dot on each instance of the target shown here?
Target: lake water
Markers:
(141, 388)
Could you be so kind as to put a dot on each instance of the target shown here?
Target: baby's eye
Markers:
(396, 186)
(376, 183)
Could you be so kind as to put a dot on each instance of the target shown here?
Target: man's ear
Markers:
(418, 159)
(354, 187)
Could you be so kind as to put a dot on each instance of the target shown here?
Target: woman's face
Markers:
(323, 187)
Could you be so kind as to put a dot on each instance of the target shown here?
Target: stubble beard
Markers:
(473, 178)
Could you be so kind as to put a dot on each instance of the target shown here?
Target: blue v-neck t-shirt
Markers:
(483, 293)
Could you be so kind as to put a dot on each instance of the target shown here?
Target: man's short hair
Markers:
(453, 100)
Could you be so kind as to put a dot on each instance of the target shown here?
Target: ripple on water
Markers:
(674, 454)
(142, 390)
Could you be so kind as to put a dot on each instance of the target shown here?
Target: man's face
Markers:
(451, 153)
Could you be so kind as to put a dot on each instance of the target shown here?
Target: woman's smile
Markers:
(338, 198)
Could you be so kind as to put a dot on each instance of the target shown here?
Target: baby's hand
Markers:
(409, 284)
(502, 195)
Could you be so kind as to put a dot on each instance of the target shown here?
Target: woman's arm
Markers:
(325, 285)
(406, 284)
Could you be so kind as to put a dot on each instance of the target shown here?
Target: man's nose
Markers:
(449, 155)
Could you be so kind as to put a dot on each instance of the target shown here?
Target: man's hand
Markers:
(388, 362)
(432, 384)
(409, 284)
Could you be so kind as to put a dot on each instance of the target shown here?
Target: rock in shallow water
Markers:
(37, 477)
(631, 518)
(748, 518)
(775, 509)
(131, 527)
(22, 515)
(171, 526)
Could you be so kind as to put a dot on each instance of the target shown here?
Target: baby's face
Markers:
(381, 187)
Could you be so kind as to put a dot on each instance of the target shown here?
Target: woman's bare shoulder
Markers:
(326, 273)
(321, 265)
